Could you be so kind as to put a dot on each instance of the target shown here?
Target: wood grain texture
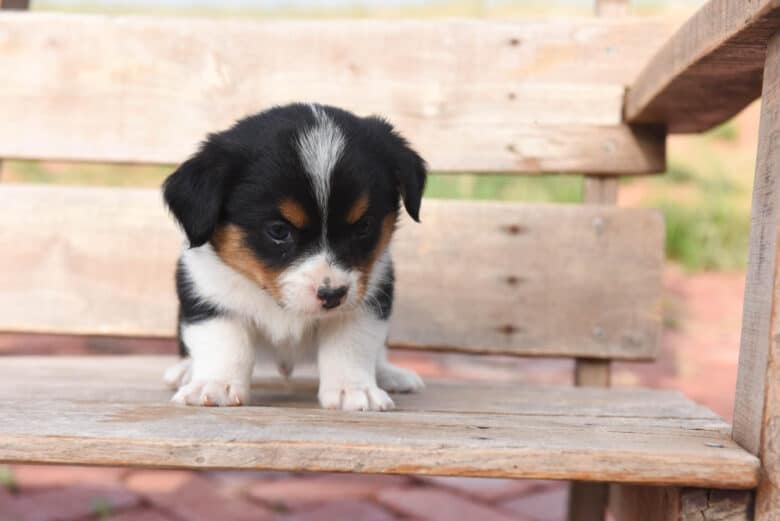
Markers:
(537, 280)
(114, 411)
(15, 4)
(640, 503)
(589, 372)
(709, 70)
(757, 403)
(592, 373)
(587, 501)
(139, 89)
(612, 7)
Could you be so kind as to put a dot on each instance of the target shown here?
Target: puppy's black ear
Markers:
(196, 190)
(408, 167)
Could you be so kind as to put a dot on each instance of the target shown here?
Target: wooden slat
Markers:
(540, 280)
(588, 501)
(126, 420)
(757, 403)
(75, 378)
(470, 95)
(641, 503)
(709, 70)
(612, 7)
(11, 4)
(589, 372)
(14, 4)
(592, 373)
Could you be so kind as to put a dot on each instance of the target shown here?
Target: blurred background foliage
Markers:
(704, 194)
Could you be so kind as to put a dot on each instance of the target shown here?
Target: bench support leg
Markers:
(642, 503)
(588, 501)
(757, 403)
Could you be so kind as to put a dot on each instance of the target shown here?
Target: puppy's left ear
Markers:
(195, 191)
(408, 167)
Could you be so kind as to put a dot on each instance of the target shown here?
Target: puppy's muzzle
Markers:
(331, 297)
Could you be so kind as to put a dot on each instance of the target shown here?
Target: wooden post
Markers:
(15, 4)
(757, 404)
(588, 501)
(641, 503)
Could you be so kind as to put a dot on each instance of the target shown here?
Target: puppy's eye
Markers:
(364, 227)
(279, 231)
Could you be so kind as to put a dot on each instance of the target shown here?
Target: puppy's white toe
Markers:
(178, 374)
(212, 393)
(396, 379)
(364, 398)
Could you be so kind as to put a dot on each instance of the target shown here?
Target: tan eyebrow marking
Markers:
(229, 243)
(294, 212)
(358, 209)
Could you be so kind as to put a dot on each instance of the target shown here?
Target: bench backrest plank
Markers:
(525, 96)
(540, 280)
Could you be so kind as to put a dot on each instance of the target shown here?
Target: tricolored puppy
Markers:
(288, 217)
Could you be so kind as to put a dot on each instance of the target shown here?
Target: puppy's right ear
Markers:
(196, 190)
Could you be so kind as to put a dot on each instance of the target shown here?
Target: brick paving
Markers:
(699, 346)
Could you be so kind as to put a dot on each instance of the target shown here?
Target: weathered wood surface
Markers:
(11, 4)
(709, 70)
(529, 279)
(757, 404)
(612, 7)
(14, 4)
(470, 95)
(641, 503)
(114, 411)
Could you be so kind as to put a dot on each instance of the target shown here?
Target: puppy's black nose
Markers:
(331, 297)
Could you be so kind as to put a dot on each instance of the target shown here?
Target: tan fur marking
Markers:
(294, 212)
(228, 241)
(388, 227)
(358, 209)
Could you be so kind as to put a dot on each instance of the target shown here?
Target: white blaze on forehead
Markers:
(320, 147)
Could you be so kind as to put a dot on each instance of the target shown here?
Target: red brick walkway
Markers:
(699, 356)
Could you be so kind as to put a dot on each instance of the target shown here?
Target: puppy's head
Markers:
(301, 199)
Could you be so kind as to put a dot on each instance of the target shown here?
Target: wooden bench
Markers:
(579, 281)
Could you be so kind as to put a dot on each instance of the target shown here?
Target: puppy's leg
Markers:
(223, 357)
(178, 374)
(396, 379)
(347, 359)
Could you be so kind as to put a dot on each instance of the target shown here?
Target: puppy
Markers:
(288, 217)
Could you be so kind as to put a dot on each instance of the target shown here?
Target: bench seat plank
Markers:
(115, 411)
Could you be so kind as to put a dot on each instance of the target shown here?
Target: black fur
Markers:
(382, 302)
(239, 177)
(191, 309)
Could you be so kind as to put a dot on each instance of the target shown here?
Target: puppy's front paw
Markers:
(396, 379)
(355, 398)
(212, 393)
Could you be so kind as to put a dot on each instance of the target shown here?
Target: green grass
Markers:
(551, 188)
(705, 199)
(708, 235)
(728, 132)
(8, 479)
(95, 174)
(102, 508)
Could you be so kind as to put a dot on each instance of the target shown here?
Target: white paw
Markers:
(212, 393)
(355, 398)
(179, 374)
(396, 379)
